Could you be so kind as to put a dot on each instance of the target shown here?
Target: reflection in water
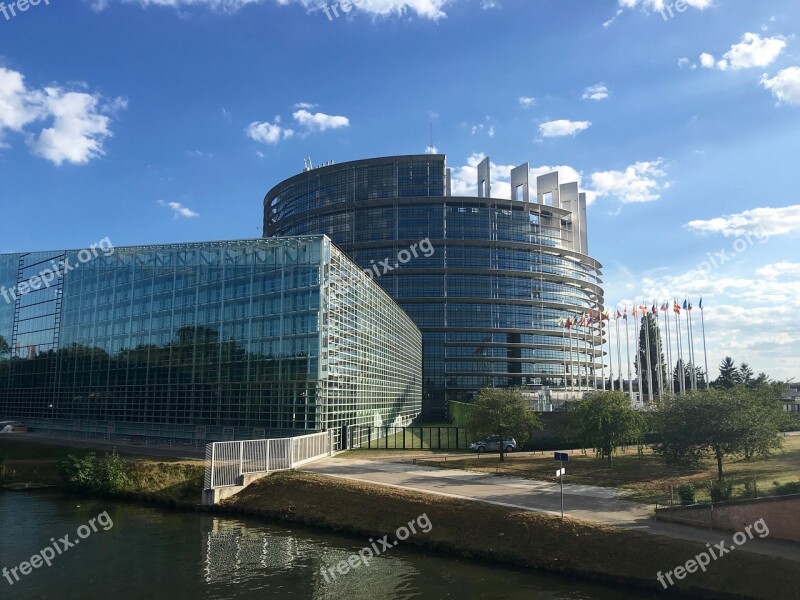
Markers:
(236, 552)
(156, 554)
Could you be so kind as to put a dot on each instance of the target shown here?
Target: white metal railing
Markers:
(226, 462)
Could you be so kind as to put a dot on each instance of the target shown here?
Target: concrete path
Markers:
(589, 503)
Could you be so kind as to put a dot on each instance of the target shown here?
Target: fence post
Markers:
(241, 459)
(213, 450)
(291, 452)
(268, 469)
(330, 441)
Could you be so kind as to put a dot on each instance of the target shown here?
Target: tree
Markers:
(761, 379)
(649, 327)
(746, 375)
(4, 347)
(728, 374)
(699, 375)
(605, 421)
(721, 422)
(502, 412)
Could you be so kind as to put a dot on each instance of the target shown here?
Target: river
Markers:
(140, 552)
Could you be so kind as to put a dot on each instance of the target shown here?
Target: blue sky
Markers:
(153, 121)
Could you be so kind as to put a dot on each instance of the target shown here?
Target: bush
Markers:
(720, 491)
(686, 493)
(792, 487)
(105, 475)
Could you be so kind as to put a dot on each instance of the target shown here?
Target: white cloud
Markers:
(778, 270)
(527, 101)
(320, 121)
(785, 86)
(760, 221)
(752, 51)
(595, 92)
(428, 9)
(80, 121)
(707, 61)
(755, 51)
(563, 127)
(683, 62)
(306, 105)
(750, 317)
(667, 8)
(269, 133)
(179, 210)
(640, 182)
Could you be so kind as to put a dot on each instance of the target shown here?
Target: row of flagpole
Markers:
(579, 345)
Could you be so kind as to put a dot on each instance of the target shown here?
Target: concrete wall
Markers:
(214, 496)
(781, 514)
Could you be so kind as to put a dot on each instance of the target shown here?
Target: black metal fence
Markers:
(407, 438)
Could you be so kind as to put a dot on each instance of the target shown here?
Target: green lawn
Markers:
(644, 478)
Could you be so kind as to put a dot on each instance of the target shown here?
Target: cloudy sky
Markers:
(154, 121)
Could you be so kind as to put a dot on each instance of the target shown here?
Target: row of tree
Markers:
(683, 429)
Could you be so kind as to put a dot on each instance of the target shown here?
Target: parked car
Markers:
(493, 444)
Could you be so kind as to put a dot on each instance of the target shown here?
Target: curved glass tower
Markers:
(503, 289)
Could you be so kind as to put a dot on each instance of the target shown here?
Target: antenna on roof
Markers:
(307, 164)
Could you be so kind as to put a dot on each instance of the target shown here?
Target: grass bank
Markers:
(177, 483)
(644, 478)
(505, 535)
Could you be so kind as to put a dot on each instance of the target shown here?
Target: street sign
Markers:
(561, 472)
(561, 456)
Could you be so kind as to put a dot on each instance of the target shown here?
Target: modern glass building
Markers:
(491, 282)
(203, 341)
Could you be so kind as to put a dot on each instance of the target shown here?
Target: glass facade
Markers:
(211, 341)
(490, 296)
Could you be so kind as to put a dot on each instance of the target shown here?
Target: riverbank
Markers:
(510, 536)
(492, 534)
(166, 482)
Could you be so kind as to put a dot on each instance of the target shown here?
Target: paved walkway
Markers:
(589, 503)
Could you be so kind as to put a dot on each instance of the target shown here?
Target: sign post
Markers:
(561, 457)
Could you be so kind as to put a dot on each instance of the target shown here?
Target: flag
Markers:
(635, 313)
(619, 314)
(625, 312)
(690, 307)
(606, 315)
(655, 310)
(701, 304)
(685, 304)
(664, 307)
(676, 307)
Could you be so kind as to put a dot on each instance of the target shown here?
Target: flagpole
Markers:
(660, 374)
(610, 356)
(619, 353)
(646, 318)
(705, 351)
(682, 375)
(691, 342)
(628, 352)
(670, 373)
